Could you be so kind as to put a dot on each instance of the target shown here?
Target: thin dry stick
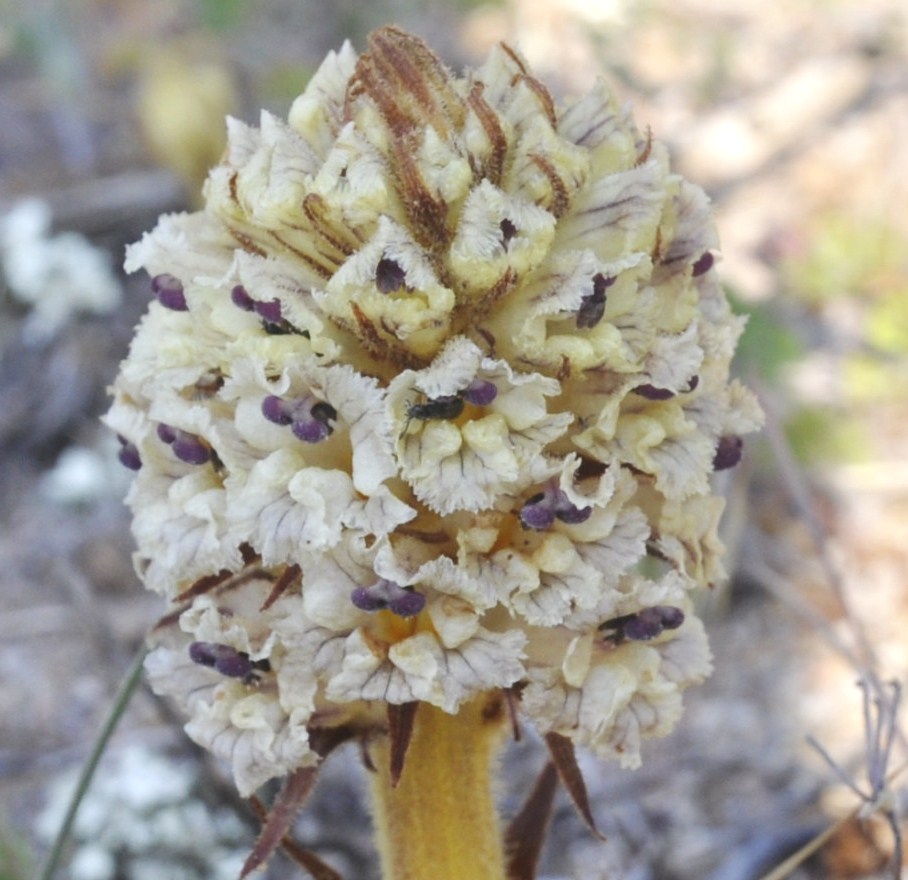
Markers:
(798, 491)
(879, 734)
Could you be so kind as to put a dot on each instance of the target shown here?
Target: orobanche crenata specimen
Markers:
(424, 418)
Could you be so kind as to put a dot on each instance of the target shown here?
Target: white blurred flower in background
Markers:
(56, 276)
(142, 819)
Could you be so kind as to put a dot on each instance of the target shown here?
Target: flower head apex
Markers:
(427, 403)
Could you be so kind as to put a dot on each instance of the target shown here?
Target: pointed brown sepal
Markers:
(324, 740)
(400, 728)
(284, 581)
(526, 832)
(203, 585)
(562, 751)
(306, 859)
(297, 787)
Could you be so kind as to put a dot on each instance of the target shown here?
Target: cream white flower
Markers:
(428, 405)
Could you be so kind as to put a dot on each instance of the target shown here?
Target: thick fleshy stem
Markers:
(385, 594)
(540, 511)
(439, 822)
(309, 418)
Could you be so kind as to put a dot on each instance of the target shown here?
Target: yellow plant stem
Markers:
(440, 822)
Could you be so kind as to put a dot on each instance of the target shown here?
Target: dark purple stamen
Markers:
(169, 291)
(239, 296)
(592, 306)
(703, 264)
(166, 434)
(571, 514)
(224, 659)
(537, 516)
(268, 311)
(728, 452)
(310, 419)
(651, 392)
(672, 617)
(692, 384)
(278, 410)
(480, 392)
(389, 275)
(128, 454)
(385, 594)
(311, 430)
(190, 449)
(644, 625)
(540, 511)
(186, 447)
(508, 231)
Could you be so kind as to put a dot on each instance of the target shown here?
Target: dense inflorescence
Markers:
(428, 405)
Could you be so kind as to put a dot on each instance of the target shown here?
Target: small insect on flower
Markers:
(228, 661)
(592, 306)
(448, 407)
(642, 626)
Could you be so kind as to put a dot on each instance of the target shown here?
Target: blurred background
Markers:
(793, 115)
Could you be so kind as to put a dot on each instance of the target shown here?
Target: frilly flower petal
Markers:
(240, 721)
(421, 668)
(627, 692)
(459, 456)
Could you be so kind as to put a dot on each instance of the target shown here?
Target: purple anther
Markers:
(278, 410)
(407, 605)
(692, 384)
(540, 511)
(389, 275)
(571, 514)
(169, 291)
(672, 617)
(310, 419)
(311, 430)
(128, 454)
(186, 447)
(644, 625)
(651, 392)
(728, 452)
(480, 392)
(592, 306)
(239, 296)
(166, 434)
(364, 599)
(312, 422)
(189, 448)
(222, 658)
(703, 264)
(385, 594)
(508, 231)
(268, 311)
